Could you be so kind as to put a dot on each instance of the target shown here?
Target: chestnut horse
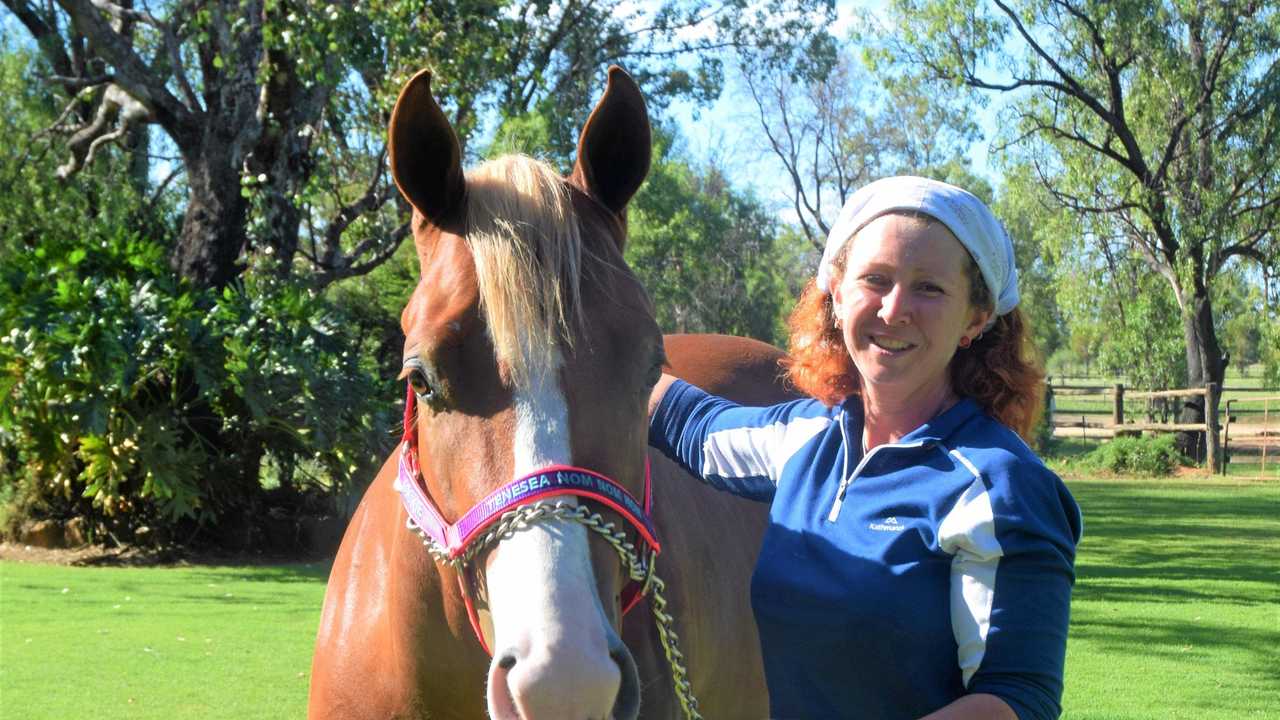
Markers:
(529, 343)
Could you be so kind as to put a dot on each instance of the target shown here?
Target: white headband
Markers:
(967, 217)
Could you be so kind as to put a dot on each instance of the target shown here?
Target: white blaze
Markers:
(542, 591)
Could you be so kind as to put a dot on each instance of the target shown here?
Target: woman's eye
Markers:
(931, 288)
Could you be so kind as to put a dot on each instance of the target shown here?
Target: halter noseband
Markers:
(459, 542)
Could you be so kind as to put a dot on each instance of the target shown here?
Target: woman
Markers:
(919, 556)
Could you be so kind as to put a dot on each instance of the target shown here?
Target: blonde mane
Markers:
(527, 245)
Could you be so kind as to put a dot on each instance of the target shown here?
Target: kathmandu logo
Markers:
(890, 524)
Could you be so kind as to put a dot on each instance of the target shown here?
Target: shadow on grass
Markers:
(1149, 532)
(288, 573)
(1179, 543)
(1180, 640)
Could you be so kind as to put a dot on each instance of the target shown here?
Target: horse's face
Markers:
(531, 344)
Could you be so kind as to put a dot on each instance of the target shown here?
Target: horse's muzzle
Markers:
(553, 686)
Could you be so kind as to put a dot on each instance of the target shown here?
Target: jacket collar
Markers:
(935, 429)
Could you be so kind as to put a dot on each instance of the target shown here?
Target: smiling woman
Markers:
(919, 559)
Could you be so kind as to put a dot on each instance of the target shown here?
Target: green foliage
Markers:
(295, 383)
(90, 371)
(1149, 456)
(1269, 347)
(138, 402)
(707, 253)
(1241, 317)
(1152, 123)
(1142, 337)
(132, 399)
(1122, 320)
(1036, 228)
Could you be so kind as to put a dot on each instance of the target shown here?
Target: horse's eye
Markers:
(421, 388)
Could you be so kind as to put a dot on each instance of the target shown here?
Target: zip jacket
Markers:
(891, 584)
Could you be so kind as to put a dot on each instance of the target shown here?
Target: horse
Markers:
(529, 344)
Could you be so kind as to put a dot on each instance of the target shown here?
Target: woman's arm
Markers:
(659, 390)
(731, 447)
(978, 706)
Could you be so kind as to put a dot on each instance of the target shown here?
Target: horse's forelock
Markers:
(527, 244)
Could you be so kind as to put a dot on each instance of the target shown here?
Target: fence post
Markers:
(1117, 409)
(1226, 438)
(1212, 441)
(1117, 413)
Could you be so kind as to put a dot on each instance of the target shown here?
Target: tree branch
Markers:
(132, 74)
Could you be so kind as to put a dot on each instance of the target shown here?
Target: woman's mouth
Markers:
(890, 344)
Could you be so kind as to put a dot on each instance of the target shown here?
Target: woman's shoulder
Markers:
(995, 447)
(1019, 483)
(685, 397)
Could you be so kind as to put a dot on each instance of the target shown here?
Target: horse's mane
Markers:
(524, 235)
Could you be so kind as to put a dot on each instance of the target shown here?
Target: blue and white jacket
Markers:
(889, 585)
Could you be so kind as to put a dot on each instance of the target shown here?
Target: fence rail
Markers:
(1217, 434)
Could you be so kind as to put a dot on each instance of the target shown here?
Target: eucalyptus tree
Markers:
(275, 108)
(1159, 120)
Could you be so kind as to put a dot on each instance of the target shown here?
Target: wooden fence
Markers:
(1266, 424)
(1211, 427)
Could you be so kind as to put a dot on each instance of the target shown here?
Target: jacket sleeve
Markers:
(1011, 585)
(737, 449)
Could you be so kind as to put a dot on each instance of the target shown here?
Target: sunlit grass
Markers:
(164, 643)
(1176, 611)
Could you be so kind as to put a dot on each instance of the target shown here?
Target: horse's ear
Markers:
(613, 151)
(426, 160)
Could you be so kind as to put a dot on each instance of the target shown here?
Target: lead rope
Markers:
(512, 521)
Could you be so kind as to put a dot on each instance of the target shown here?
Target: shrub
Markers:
(136, 402)
(1150, 456)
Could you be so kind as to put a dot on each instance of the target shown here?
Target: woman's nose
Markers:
(895, 307)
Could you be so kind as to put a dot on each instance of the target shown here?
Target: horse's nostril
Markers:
(627, 706)
(507, 661)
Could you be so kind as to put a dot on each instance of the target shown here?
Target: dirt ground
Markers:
(87, 555)
(91, 555)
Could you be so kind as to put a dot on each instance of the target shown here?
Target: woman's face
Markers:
(903, 305)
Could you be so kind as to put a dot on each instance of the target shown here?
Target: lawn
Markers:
(163, 643)
(1176, 611)
(1176, 614)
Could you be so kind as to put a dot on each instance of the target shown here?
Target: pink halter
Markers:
(453, 538)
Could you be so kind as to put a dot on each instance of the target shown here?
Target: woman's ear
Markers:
(977, 322)
(837, 304)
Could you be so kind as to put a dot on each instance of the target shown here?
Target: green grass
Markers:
(1176, 611)
(1176, 614)
(164, 643)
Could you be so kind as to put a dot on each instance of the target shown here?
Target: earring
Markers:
(964, 341)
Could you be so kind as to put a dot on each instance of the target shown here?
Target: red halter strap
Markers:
(454, 538)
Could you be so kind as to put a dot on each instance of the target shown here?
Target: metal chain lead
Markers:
(524, 516)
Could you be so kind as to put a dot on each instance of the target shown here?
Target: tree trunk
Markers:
(213, 228)
(1204, 365)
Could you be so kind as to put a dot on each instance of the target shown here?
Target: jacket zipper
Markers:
(848, 478)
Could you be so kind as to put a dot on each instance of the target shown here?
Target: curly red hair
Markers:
(999, 370)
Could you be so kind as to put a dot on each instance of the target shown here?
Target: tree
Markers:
(709, 255)
(1241, 318)
(1161, 118)
(276, 108)
(833, 129)
(1036, 226)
